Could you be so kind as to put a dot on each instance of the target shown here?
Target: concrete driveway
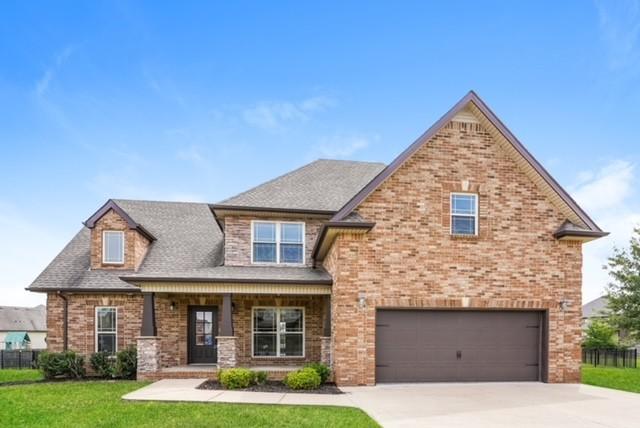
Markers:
(497, 405)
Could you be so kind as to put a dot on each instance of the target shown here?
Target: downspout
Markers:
(65, 316)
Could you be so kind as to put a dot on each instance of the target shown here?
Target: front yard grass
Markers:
(611, 377)
(23, 375)
(98, 404)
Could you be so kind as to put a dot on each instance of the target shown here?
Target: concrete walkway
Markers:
(185, 390)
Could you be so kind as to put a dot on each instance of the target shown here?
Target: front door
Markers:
(203, 329)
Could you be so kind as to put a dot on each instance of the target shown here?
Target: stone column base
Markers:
(325, 351)
(226, 351)
(148, 348)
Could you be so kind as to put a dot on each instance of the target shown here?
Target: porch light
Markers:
(173, 306)
(362, 299)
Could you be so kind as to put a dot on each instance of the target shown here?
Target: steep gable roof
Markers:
(322, 186)
(472, 104)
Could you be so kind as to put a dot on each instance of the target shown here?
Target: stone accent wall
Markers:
(410, 260)
(148, 355)
(227, 351)
(82, 309)
(325, 351)
(237, 230)
(135, 247)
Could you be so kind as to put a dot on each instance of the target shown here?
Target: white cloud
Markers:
(274, 116)
(192, 154)
(42, 84)
(609, 198)
(342, 146)
(620, 31)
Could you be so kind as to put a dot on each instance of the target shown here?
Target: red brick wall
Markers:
(237, 230)
(410, 259)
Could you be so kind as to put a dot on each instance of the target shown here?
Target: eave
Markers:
(111, 205)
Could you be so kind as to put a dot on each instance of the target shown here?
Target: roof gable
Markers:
(471, 107)
(112, 205)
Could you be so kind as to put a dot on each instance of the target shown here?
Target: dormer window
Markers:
(113, 247)
(464, 214)
(277, 242)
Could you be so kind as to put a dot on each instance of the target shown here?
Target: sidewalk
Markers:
(185, 390)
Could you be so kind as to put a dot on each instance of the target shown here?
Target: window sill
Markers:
(460, 237)
(275, 357)
(278, 264)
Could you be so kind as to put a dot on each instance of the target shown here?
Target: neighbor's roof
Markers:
(595, 308)
(13, 318)
(322, 186)
(188, 245)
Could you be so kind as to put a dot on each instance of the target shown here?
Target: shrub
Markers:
(322, 369)
(237, 378)
(103, 364)
(260, 378)
(127, 363)
(306, 378)
(66, 364)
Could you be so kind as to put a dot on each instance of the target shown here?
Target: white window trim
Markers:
(104, 247)
(278, 237)
(278, 309)
(96, 326)
(475, 216)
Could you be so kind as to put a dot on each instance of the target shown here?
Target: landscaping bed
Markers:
(275, 386)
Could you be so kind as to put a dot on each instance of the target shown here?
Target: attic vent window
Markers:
(464, 214)
(113, 247)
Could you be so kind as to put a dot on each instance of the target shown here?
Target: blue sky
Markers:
(199, 101)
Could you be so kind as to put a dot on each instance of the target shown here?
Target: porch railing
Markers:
(627, 358)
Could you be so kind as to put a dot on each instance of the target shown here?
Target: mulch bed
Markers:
(274, 386)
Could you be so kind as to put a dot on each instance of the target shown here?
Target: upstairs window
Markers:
(464, 214)
(277, 242)
(113, 247)
(106, 329)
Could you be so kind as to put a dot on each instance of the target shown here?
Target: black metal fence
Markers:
(18, 359)
(611, 357)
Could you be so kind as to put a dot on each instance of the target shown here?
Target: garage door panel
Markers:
(425, 345)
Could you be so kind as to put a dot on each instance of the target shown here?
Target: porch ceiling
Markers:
(235, 288)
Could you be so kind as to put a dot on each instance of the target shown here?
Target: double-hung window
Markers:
(464, 214)
(113, 247)
(277, 242)
(106, 329)
(278, 332)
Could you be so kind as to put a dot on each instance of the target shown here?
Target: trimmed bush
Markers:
(322, 369)
(66, 364)
(306, 378)
(103, 364)
(237, 378)
(260, 378)
(127, 363)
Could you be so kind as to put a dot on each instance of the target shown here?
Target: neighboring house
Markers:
(595, 309)
(23, 328)
(459, 261)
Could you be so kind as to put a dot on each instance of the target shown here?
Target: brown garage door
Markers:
(458, 346)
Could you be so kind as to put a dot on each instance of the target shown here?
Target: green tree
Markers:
(600, 335)
(624, 290)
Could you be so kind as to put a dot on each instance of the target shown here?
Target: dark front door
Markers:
(203, 329)
(441, 346)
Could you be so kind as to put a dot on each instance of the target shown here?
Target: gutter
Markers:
(336, 224)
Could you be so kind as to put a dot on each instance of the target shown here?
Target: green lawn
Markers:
(615, 378)
(15, 375)
(98, 404)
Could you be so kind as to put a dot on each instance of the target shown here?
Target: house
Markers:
(23, 328)
(458, 261)
(595, 309)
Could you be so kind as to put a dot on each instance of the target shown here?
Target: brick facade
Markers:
(237, 231)
(135, 246)
(410, 259)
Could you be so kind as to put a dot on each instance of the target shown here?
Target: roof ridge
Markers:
(155, 201)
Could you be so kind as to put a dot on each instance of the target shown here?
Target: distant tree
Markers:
(624, 291)
(600, 335)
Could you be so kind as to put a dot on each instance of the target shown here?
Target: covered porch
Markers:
(193, 330)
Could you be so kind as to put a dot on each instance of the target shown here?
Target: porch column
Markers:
(226, 340)
(148, 343)
(325, 340)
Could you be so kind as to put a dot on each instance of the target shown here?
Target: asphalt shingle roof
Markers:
(14, 318)
(323, 185)
(595, 308)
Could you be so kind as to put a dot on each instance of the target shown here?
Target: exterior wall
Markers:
(172, 326)
(237, 232)
(135, 247)
(81, 331)
(410, 260)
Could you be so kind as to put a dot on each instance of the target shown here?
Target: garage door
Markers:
(457, 346)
